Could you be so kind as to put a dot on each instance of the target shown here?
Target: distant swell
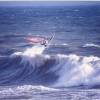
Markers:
(92, 45)
(49, 70)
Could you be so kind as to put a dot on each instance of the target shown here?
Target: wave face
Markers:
(50, 70)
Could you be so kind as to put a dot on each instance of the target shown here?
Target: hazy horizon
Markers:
(47, 3)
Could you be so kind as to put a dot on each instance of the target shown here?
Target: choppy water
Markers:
(67, 69)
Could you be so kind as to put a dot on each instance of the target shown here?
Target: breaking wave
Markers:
(32, 67)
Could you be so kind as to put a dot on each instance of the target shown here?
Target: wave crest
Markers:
(50, 70)
(91, 45)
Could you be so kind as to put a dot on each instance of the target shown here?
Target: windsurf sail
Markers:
(37, 40)
(40, 40)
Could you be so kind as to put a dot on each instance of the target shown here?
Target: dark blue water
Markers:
(70, 64)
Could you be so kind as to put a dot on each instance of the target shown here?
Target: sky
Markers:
(45, 3)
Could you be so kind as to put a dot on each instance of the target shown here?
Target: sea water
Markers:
(68, 69)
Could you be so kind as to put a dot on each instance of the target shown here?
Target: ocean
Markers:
(68, 69)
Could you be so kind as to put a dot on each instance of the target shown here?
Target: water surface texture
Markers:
(67, 70)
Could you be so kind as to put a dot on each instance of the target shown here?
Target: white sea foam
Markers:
(59, 45)
(26, 88)
(35, 50)
(77, 70)
(65, 44)
(32, 55)
(23, 91)
(91, 45)
(73, 70)
(31, 87)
